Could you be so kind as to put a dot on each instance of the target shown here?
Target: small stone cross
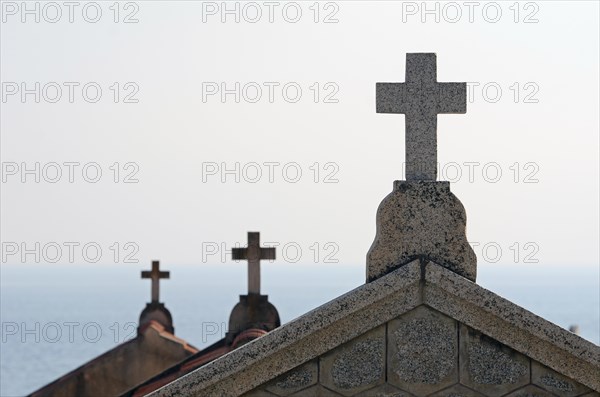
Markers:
(253, 253)
(421, 98)
(155, 274)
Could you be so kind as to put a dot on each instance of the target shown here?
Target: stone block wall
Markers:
(422, 353)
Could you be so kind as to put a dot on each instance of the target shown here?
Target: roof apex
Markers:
(378, 302)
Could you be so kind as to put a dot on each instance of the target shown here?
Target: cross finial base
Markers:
(254, 311)
(155, 311)
(421, 219)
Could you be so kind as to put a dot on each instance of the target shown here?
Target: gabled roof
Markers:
(378, 302)
(117, 370)
(192, 363)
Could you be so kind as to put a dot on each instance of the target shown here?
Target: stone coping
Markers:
(512, 325)
(382, 300)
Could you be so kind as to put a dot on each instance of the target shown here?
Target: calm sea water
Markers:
(56, 318)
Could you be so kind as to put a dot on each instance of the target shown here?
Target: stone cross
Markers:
(253, 254)
(155, 275)
(421, 98)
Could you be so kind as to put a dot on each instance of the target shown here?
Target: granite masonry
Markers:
(420, 330)
(421, 219)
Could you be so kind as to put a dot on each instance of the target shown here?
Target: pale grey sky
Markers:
(541, 133)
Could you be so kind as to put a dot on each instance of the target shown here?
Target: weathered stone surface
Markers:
(305, 338)
(385, 390)
(530, 391)
(457, 390)
(316, 391)
(488, 366)
(554, 382)
(422, 351)
(512, 325)
(356, 366)
(258, 393)
(295, 380)
(421, 220)
(374, 304)
(421, 98)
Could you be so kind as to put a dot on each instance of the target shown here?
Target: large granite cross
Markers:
(253, 254)
(155, 274)
(421, 98)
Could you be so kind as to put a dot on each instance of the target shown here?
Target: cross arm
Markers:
(452, 97)
(391, 97)
(161, 274)
(238, 254)
(267, 253)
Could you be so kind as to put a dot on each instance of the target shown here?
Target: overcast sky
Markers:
(523, 159)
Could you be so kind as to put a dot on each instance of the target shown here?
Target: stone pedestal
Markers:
(155, 311)
(253, 311)
(421, 219)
